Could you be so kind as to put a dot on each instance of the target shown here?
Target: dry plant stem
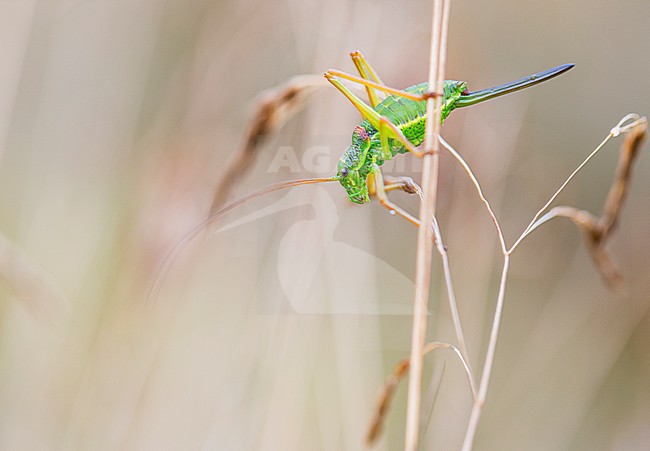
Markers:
(597, 230)
(595, 239)
(489, 360)
(620, 128)
(462, 353)
(617, 194)
(427, 209)
(480, 397)
(488, 207)
(401, 369)
(451, 294)
(612, 208)
(274, 108)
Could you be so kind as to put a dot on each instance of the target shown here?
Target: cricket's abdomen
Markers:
(408, 115)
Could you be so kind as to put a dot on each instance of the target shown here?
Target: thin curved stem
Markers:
(529, 228)
(443, 345)
(489, 360)
(394, 379)
(477, 185)
(453, 306)
(536, 222)
(621, 127)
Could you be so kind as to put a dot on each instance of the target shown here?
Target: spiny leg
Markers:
(366, 111)
(398, 92)
(367, 73)
(364, 67)
(386, 128)
(376, 181)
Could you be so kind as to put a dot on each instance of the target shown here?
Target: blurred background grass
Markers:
(117, 120)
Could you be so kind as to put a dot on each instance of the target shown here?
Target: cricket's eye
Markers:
(345, 172)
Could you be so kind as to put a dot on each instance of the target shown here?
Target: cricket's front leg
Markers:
(377, 187)
(402, 183)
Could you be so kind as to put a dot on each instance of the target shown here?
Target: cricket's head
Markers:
(353, 182)
(353, 168)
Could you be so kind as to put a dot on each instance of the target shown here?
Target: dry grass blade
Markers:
(430, 165)
(383, 403)
(598, 230)
(479, 190)
(632, 143)
(386, 396)
(274, 108)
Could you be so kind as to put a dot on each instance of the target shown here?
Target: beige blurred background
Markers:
(117, 120)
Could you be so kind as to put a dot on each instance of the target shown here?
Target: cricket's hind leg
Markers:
(387, 130)
(368, 112)
(367, 73)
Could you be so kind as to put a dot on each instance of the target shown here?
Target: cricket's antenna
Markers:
(159, 276)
